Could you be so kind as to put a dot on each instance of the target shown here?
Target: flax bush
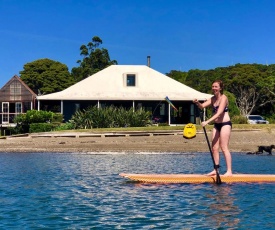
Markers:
(110, 117)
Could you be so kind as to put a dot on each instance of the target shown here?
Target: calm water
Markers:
(84, 191)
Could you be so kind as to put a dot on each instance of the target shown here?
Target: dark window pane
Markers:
(131, 80)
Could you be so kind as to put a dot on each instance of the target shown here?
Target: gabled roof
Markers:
(110, 84)
(16, 78)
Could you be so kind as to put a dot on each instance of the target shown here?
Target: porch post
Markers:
(38, 105)
(133, 106)
(61, 106)
(169, 115)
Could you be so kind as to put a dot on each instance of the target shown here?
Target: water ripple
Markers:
(84, 191)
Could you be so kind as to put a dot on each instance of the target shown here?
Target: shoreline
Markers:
(129, 142)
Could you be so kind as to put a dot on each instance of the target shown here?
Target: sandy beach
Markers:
(241, 141)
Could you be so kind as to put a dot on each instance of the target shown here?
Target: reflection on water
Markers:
(84, 191)
(222, 205)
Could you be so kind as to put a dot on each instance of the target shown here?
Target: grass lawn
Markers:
(268, 127)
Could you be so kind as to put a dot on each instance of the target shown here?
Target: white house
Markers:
(136, 86)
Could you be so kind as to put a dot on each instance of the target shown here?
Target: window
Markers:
(15, 91)
(5, 118)
(5, 112)
(5, 107)
(131, 80)
(18, 107)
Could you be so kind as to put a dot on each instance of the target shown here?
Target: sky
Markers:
(176, 34)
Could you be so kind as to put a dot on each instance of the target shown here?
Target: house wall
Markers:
(159, 109)
(15, 98)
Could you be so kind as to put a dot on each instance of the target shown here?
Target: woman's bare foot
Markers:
(228, 174)
(213, 173)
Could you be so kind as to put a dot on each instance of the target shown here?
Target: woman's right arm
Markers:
(202, 105)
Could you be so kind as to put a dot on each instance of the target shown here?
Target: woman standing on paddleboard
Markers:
(222, 125)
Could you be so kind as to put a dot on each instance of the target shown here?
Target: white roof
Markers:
(110, 84)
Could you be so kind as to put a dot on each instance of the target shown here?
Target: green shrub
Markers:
(42, 127)
(24, 121)
(64, 126)
(18, 129)
(271, 118)
(35, 116)
(57, 117)
(233, 108)
(238, 119)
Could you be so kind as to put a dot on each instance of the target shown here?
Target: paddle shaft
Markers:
(218, 179)
(209, 146)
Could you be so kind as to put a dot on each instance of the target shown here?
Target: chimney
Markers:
(148, 61)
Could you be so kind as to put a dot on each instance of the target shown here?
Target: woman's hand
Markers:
(197, 103)
(204, 123)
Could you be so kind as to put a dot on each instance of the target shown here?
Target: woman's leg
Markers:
(215, 149)
(224, 143)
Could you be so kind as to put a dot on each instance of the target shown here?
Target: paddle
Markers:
(169, 102)
(218, 179)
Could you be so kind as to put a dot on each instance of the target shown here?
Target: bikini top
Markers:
(215, 109)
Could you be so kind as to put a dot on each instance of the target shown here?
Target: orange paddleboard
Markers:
(199, 178)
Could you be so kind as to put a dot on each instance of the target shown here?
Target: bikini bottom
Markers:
(218, 126)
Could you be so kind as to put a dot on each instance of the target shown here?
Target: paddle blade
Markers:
(169, 102)
(189, 131)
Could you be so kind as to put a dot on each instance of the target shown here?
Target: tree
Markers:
(177, 75)
(199, 80)
(94, 60)
(46, 76)
(252, 85)
(233, 108)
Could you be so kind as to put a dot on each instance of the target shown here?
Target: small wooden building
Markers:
(15, 98)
